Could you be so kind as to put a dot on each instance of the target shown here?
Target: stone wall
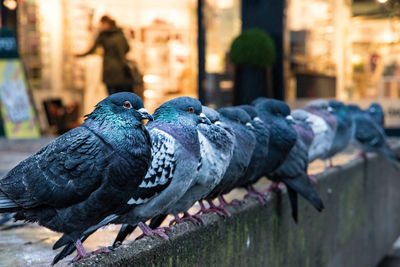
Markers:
(360, 223)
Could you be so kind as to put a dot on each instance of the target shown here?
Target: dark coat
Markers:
(115, 69)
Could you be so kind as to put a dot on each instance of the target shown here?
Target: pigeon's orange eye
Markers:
(190, 109)
(127, 104)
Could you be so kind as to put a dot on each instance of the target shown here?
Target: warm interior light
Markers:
(149, 78)
(10, 4)
(382, 1)
(356, 59)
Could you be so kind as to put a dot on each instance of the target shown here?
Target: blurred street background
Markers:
(343, 49)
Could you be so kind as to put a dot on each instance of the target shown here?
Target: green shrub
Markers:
(253, 47)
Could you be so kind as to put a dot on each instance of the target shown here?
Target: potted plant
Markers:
(253, 53)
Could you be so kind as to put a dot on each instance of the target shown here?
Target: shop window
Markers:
(222, 25)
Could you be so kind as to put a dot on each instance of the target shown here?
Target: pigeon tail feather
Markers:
(303, 186)
(293, 203)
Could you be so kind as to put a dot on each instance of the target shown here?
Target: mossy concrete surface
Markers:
(360, 223)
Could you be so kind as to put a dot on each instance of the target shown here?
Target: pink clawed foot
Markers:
(193, 218)
(188, 218)
(212, 208)
(220, 208)
(312, 178)
(273, 187)
(82, 254)
(252, 193)
(222, 204)
(233, 203)
(147, 231)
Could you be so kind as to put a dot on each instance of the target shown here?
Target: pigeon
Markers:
(216, 149)
(244, 144)
(288, 153)
(293, 171)
(176, 160)
(370, 136)
(344, 130)
(324, 130)
(376, 112)
(84, 175)
(282, 135)
(255, 169)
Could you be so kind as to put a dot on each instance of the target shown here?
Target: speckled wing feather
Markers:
(162, 167)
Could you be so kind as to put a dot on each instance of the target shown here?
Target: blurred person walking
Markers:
(117, 74)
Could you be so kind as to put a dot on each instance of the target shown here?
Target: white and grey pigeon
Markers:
(216, 149)
(323, 125)
(175, 163)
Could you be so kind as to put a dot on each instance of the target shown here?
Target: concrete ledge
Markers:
(359, 225)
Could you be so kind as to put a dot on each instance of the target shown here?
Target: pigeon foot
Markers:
(147, 231)
(252, 193)
(82, 254)
(196, 219)
(212, 208)
(273, 187)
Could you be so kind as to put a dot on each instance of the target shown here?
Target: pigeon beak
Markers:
(145, 114)
(204, 119)
(257, 119)
(248, 124)
(330, 109)
(218, 123)
(290, 119)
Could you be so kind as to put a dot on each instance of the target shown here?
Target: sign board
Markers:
(17, 114)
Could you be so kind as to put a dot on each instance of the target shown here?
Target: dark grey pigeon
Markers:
(288, 153)
(84, 175)
(259, 158)
(370, 136)
(282, 135)
(376, 112)
(293, 171)
(344, 129)
(175, 163)
(244, 143)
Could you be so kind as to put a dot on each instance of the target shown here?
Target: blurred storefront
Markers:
(318, 44)
(343, 49)
(163, 37)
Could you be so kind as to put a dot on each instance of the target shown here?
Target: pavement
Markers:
(31, 245)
